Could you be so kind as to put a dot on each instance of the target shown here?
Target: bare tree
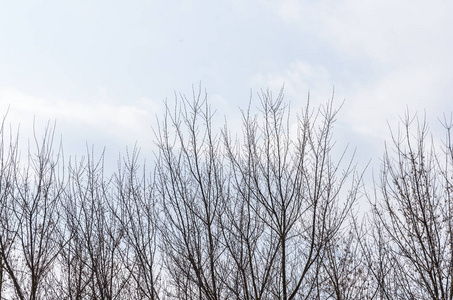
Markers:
(31, 233)
(258, 226)
(266, 215)
(190, 183)
(137, 212)
(413, 215)
(290, 206)
(344, 272)
(77, 272)
(8, 226)
(91, 263)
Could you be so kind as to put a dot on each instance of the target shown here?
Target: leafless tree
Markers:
(267, 213)
(190, 183)
(289, 201)
(413, 215)
(250, 220)
(31, 233)
(91, 265)
(8, 228)
(137, 212)
(344, 272)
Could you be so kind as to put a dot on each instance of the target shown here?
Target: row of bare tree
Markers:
(265, 214)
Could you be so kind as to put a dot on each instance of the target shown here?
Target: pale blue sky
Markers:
(103, 68)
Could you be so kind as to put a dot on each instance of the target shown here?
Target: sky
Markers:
(102, 69)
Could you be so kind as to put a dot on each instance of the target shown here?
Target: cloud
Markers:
(290, 10)
(369, 107)
(389, 97)
(99, 122)
(395, 55)
(373, 110)
(388, 31)
(298, 78)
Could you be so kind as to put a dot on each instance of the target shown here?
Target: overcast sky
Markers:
(102, 69)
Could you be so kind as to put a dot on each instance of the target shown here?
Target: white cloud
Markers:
(94, 122)
(389, 31)
(299, 78)
(290, 10)
(403, 47)
(383, 32)
(368, 107)
(371, 106)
